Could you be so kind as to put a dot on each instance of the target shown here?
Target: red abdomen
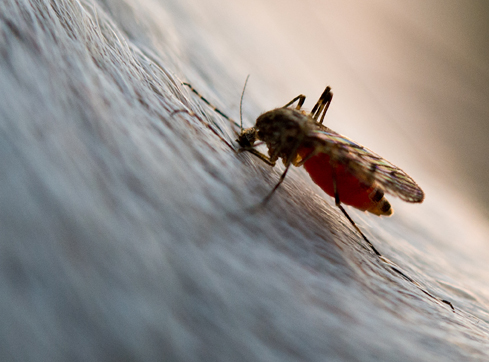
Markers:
(351, 190)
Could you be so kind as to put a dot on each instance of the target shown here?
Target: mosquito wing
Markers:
(367, 165)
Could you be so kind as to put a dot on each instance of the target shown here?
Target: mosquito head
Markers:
(247, 137)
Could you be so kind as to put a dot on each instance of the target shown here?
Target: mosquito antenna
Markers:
(241, 104)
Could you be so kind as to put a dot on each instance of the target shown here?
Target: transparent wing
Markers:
(366, 165)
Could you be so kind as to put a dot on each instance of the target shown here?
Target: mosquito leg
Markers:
(282, 178)
(322, 105)
(292, 156)
(301, 99)
(381, 257)
(258, 154)
(190, 113)
(338, 203)
(211, 105)
(267, 198)
(395, 268)
(422, 289)
(358, 229)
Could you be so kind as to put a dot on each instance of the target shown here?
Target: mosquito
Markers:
(347, 171)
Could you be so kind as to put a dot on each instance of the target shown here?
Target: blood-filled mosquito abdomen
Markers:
(351, 190)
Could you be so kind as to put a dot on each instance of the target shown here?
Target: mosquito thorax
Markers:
(281, 128)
